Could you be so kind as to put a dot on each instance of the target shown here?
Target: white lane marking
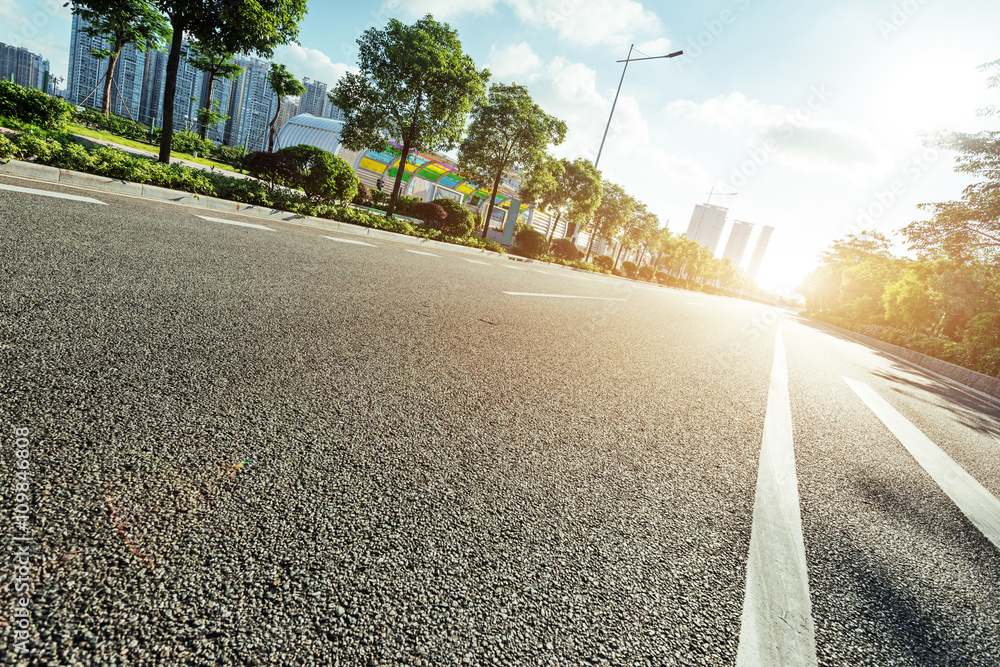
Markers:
(233, 222)
(351, 241)
(570, 275)
(46, 193)
(515, 268)
(420, 252)
(474, 261)
(776, 626)
(542, 272)
(564, 296)
(976, 502)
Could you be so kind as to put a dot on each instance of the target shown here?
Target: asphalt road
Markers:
(251, 446)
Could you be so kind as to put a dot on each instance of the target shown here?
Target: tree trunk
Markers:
(274, 121)
(591, 244)
(170, 89)
(208, 104)
(618, 257)
(403, 155)
(552, 231)
(489, 209)
(108, 77)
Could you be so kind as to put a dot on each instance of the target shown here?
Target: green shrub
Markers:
(645, 273)
(122, 127)
(324, 177)
(665, 278)
(230, 155)
(38, 146)
(191, 143)
(458, 221)
(530, 243)
(364, 196)
(629, 269)
(8, 150)
(604, 261)
(433, 215)
(33, 106)
(273, 168)
(565, 249)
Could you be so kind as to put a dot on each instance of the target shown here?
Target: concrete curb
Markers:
(979, 384)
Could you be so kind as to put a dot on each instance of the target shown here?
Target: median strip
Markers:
(776, 627)
(980, 506)
(233, 222)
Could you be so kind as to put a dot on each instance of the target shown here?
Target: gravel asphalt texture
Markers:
(435, 472)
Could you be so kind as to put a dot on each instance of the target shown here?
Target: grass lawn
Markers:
(121, 141)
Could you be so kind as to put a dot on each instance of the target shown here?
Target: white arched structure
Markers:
(308, 129)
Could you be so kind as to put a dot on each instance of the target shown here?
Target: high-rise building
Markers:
(758, 253)
(23, 67)
(86, 74)
(737, 243)
(314, 99)
(252, 104)
(707, 223)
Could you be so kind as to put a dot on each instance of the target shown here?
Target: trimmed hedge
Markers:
(530, 243)
(565, 249)
(604, 261)
(459, 220)
(33, 106)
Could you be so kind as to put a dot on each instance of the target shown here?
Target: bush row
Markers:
(59, 150)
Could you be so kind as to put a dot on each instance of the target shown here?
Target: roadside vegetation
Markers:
(942, 298)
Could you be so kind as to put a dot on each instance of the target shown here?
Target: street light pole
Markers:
(628, 59)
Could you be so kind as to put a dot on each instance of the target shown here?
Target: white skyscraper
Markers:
(737, 243)
(707, 223)
(252, 104)
(758, 252)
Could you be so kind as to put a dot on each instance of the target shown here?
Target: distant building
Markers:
(737, 243)
(314, 100)
(23, 67)
(707, 223)
(85, 84)
(252, 104)
(758, 254)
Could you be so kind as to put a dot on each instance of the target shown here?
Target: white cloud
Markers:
(732, 110)
(583, 22)
(654, 48)
(312, 63)
(516, 61)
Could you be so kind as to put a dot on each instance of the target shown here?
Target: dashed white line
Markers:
(46, 193)
(564, 296)
(777, 627)
(513, 268)
(421, 252)
(351, 241)
(973, 499)
(542, 272)
(474, 261)
(233, 222)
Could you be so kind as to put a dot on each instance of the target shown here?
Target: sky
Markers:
(813, 113)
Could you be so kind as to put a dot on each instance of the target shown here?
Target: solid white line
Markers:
(351, 241)
(564, 296)
(46, 193)
(474, 261)
(233, 222)
(976, 502)
(420, 252)
(777, 627)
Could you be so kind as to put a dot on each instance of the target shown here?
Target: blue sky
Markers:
(810, 111)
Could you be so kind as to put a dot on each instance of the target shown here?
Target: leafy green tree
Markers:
(283, 83)
(637, 229)
(508, 131)
(659, 244)
(611, 214)
(121, 22)
(968, 227)
(414, 84)
(562, 186)
(909, 302)
(324, 177)
(217, 64)
(232, 27)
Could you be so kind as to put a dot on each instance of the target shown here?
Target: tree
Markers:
(611, 214)
(324, 177)
(969, 227)
(218, 64)
(121, 22)
(508, 131)
(283, 83)
(659, 241)
(232, 27)
(414, 84)
(637, 229)
(573, 188)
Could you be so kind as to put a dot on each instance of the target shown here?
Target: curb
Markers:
(982, 386)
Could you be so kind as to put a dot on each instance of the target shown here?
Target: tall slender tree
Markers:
(508, 131)
(235, 27)
(614, 210)
(283, 83)
(415, 84)
(121, 22)
(566, 188)
(217, 64)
